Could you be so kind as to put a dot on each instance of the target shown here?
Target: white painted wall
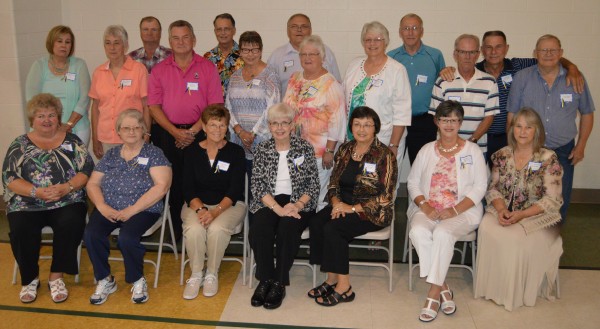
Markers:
(338, 21)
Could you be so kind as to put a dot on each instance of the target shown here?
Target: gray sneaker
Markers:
(192, 287)
(211, 285)
(139, 291)
(104, 288)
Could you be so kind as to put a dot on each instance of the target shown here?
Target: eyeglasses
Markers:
(466, 53)
(223, 29)
(299, 27)
(357, 126)
(309, 55)
(130, 129)
(376, 40)
(448, 121)
(215, 126)
(250, 50)
(284, 124)
(410, 28)
(548, 51)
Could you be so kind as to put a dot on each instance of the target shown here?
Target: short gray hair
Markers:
(119, 32)
(466, 36)
(316, 41)
(280, 111)
(131, 113)
(375, 27)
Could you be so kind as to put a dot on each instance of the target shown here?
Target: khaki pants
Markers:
(209, 243)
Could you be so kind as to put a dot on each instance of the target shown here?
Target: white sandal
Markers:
(28, 293)
(58, 288)
(428, 311)
(448, 304)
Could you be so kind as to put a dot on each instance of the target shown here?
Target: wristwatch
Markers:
(70, 124)
(203, 207)
(473, 139)
(393, 145)
(353, 209)
(328, 150)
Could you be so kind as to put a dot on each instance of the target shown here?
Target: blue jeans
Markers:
(567, 180)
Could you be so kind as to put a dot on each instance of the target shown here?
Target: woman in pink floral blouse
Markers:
(446, 185)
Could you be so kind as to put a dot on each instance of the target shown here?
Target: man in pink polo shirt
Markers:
(179, 89)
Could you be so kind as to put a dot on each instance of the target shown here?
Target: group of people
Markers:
(319, 151)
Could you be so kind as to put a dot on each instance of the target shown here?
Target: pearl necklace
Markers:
(447, 150)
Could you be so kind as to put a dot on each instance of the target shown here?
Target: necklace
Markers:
(447, 150)
(56, 68)
(356, 155)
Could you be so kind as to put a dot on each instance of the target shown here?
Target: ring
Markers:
(244, 140)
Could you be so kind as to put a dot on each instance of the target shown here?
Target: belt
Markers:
(184, 126)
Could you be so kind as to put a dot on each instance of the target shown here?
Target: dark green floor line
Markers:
(151, 318)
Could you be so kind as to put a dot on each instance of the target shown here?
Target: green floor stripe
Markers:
(151, 318)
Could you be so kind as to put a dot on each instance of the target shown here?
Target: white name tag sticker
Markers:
(126, 83)
(255, 82)
(566, 98)
(377, 83)
(222, 165)
(534, 166)
(506, 79)
(370, 167)
(299, 161)
(288, 64)
(454, 98)
(67, 147)
(142, 161)
(70, 76)
(192, 86)
(312, 90)
(466, 160)
(421, 78)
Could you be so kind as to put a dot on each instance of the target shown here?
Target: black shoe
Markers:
(275, 296)
(263, 288)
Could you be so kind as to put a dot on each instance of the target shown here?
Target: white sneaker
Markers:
(211, 285)
(104, 288)
(139, 291)
(192, 287)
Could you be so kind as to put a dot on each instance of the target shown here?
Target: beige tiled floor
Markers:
(375, 307)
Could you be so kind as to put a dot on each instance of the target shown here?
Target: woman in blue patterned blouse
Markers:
(44, 173)
(127, 188)
(285, 187)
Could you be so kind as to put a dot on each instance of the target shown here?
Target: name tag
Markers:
(70, 76)
(377, 83)
(466, 160)
(421, 79)
(370, 167)
(299, 161)
(311, 91)
(454, 98)
(566, 98)
(222, 165)
(192, 86)
(506, 79)
(67, 147)
(534, 166)
(142, 161)
(126, 83)
(287, 64)
(255, 82)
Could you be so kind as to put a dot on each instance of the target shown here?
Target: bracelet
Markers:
(303, 203)
(422, 202)
(33, 190)
(328, 150)
(70, 186)
(220, 208)
(273, 205)
(393, 145)
(70, 124)
(203, 207)
(238, 132)
(455, 210)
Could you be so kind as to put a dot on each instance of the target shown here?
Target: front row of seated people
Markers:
(45, 171)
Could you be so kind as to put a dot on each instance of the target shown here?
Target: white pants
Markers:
(324, 175)
(434, 243)
(212, 240)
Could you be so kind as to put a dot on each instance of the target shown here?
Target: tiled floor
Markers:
(374, 307)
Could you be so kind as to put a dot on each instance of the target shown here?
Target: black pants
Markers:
(329, 239)
(494, 143)
(166, 142)
(268, 231)
(421, 131)
(25, 235)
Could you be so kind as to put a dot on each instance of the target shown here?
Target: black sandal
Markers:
(335, 298)
(322, 290)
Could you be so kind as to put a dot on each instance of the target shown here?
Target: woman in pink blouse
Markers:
(446, 185)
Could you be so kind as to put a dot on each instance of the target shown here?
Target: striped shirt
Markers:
(504, 82)
(478, 97)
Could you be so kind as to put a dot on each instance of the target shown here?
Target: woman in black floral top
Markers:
(285, 188)
(361, 200)
(44, 173)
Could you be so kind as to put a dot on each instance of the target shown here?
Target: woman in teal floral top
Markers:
(519, 246)
(43, 175)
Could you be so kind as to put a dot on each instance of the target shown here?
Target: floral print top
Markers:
(42, 168)
(320, 109)
(358, 99)
(537, 183)
(225, 65)
(443, 191)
